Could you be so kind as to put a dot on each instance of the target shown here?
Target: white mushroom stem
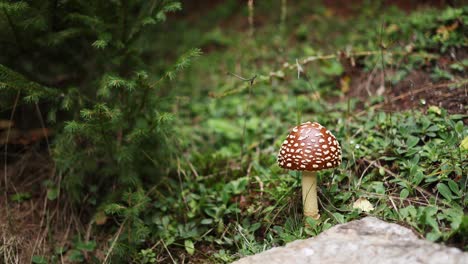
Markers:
(309, 194)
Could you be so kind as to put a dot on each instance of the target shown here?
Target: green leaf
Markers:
(20, 196)
(411, 141)
(206, 221)
(454, 187)
(89, 246)
(434, 109)
(404, 193)
(339, 218)
(464, 144)
(433, 236)
(189, 247)
(39, 260)
(52, 193)
(332, 68)
(455, 216)
(445, 191)
(418, 177)
(382, 171)
(433, 128)
(459, 127)
(310, 221)
(430, 217)
(254, 227)
(75, 255)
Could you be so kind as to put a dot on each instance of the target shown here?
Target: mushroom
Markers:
(310, 147)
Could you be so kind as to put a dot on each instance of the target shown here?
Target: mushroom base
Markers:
(309, 194)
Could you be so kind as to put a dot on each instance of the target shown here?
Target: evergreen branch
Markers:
(10, 79)
(147, 17)
(14, 30)
(89, 21)
(13, 7)
(183, 62)
(57, 38)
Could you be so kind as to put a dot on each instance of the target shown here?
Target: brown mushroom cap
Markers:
(310, 147)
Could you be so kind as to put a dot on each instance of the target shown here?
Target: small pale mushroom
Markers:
(310, 147)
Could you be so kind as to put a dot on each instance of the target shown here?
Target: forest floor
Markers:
(392, 117)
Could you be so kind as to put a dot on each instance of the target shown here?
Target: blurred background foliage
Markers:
(163, 120)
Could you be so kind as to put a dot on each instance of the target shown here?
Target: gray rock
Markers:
(368, 240)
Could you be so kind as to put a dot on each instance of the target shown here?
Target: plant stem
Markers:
(309, 194)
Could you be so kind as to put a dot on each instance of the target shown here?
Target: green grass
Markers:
(228, 198)
(224, 197)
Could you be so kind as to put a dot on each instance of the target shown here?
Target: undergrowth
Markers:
(178, 163)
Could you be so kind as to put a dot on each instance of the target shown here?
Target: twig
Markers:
(310, 59)
(168, 252)
(39, 236)
(284, 12)
(5, 171)
(250, 5)
(250, 80)
(117, 235)
(382, 56)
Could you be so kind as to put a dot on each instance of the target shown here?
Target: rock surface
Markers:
(368, 240)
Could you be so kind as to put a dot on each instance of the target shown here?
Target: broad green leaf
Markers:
(39, 260)
(404, 193)
(189, 247)
(418, 177)
(455, 216)
(430, 217)
(464, 143)
(255, 226)
(454, 187)
(412, 141)
(433, 236)
(75, 255)
(206, 221)
(20, 196)
(445, 191)
(434, 109)
(88, 246)
(459, 127)
(52, 193)
(339, 218)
